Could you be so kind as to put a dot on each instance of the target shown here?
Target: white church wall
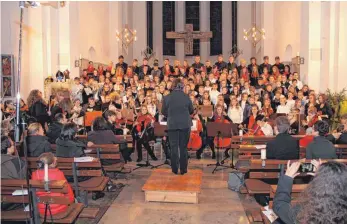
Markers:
(94, 30)
(244, 22)
(342, 49)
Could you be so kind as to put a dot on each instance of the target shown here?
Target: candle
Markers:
(241, 133)
(46, 173)
(80, 56)
(297, 53)
(263, 153)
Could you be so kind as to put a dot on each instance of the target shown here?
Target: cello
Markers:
(195, 141)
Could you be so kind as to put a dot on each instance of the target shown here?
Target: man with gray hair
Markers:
(284, 146)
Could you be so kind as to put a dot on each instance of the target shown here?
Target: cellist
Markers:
(195, 141)
(141, 127)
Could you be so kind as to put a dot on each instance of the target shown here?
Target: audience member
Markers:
(37, 142)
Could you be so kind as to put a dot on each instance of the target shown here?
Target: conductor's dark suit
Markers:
(177, 107)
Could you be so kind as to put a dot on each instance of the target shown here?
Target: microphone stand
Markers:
(34, 218)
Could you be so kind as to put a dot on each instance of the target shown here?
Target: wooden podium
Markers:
(164, 186)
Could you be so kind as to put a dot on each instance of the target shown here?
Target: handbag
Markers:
(236, 181)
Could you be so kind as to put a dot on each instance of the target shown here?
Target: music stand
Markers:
(160, 130)
(219, 130)
(234, 131)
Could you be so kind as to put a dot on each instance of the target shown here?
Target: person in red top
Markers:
(53, 174)
(90, 68)
(307, 139)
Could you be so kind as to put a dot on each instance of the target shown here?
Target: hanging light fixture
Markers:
(254, 34)
(126, 36)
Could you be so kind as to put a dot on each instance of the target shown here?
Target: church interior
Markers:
(86, 136)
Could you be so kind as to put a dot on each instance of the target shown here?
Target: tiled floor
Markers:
(216, 205)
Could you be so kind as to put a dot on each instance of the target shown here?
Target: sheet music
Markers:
(85, 159)
(20, 192)
(88, 91)
(260, 146)
(269, 213)
(194, 126)
(88, 151)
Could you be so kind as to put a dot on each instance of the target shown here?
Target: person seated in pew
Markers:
(342, 138)
(101, 134)
(37, 142)
(53, 174)
(264, 126)
(320, 147)
(12, 167)
(284, 146)
(307, 139)
(322, 202)
(67, 144)
(55, 128)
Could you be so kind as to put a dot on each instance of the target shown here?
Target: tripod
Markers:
(219, 130)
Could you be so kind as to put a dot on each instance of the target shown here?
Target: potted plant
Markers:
(338, 103)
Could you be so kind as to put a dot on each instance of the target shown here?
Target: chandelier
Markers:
(126, 36)
(254, 34)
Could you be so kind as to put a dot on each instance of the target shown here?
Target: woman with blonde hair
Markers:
(235, 112)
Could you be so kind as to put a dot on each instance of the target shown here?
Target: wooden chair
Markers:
(8, 186)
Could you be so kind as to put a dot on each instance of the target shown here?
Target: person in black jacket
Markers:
(37, 143)
(101, 134)
(177, 107)
(321, 147)
(283, 146)
(12, 167)
(67, 144)
(38, 107)
(54, 129)
(322, 202)
(122, 64)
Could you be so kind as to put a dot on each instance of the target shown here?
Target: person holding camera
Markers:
(322, 202)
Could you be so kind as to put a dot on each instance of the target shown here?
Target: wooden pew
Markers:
(105, 152)
(258, 173)
(69, 167)
(297, 189)
(258, 139)
(8, 186)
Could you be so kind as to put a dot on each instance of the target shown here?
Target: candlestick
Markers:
(46, 173)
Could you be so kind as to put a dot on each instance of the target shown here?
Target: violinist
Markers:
(250, 123)
(312, 117)
(265, 127)
(220, 117)
(142, 134)
(311, 103)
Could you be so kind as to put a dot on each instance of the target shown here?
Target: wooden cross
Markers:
(189, 35)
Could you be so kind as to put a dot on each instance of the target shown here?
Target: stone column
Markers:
(315, 47)
(333, 44)
(204, 26)
(342, 48)
(115, 22)
(158, 30)
(180, 18)
(226, 25)
(140, 25)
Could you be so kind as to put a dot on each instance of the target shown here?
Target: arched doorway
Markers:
(91, 54)
(288, 54)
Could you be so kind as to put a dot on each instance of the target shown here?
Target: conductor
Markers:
(177, 107)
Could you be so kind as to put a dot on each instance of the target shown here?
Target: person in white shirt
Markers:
(235, 112)
(299, 83)
(265, 127)
(290, 100)
(214, 93)
(77, 89)
(283, 108)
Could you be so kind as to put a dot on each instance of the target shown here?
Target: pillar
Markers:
(140, 25)
(158, 30)
(226, 25)
(342, 48)
(204, 26)
(180, 18)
